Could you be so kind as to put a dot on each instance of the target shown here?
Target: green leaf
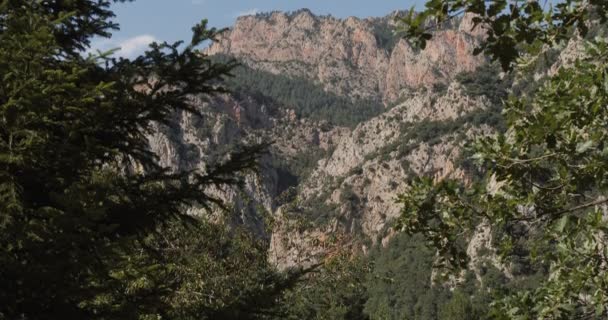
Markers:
(561, 224)
(583, 146)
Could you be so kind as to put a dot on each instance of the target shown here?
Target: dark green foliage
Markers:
(335, 291)
(79, 20)
(90, 225)
(302, 164)
(459, 307)
(290, 14)
(486, 81)
(308, 99)
(512, 30)
(316, 212)
(291, 171)
(400, 286)
(431, 131)
(199, 273)
(543, 192)
(440, 88)
(397, 282)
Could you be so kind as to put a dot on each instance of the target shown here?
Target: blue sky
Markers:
(144, 21)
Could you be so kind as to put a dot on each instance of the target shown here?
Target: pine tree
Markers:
(90, 225)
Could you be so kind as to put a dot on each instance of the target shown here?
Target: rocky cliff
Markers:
(326, 186)
(352, 57)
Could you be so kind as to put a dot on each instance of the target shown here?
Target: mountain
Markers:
(353, 112)
(359, 58)
(352, 183)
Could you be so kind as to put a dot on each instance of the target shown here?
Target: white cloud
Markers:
(127, 48)
(249, 12)
(133, 46)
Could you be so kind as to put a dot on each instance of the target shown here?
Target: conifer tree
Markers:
(90, 225)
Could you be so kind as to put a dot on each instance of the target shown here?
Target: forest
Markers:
(307, 99)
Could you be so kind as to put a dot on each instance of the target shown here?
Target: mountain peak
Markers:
(352, 57)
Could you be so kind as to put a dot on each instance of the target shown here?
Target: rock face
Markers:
(369, 167)
(348, 56)
(341, 194)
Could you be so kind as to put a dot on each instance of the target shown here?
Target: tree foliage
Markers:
(335, 291)
(400, 284)
(545, 176)
(306, 98)
(90, 225)
(512, 27)
(486, 81)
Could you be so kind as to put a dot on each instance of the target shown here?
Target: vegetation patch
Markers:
(306, 98)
